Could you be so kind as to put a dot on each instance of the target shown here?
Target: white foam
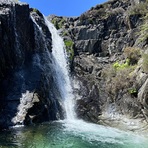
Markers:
(62, 71)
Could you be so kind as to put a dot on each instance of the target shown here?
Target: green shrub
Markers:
(132, 90)
(61, 23)
(133, 54)
(119, 78)
(58, 22)
(122, 81)
(55, 23)
(118, 66)
(140, 8)
(143, 32)
(69, 48)
(145, 63)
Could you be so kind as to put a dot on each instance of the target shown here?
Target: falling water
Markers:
(62, 71)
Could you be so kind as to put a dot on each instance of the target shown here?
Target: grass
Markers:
(145, 63)
(133, 54)
(140, 8)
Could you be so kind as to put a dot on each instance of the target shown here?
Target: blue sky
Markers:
(63, 7)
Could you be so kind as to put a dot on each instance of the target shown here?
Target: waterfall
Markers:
(62, 71)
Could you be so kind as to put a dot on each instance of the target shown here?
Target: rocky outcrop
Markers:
(27, 88)
(103, 38)
(103, 30)
(103, 48)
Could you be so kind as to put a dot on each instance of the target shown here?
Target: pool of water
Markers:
(70, 134)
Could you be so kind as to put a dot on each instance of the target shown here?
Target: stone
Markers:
(26, 84)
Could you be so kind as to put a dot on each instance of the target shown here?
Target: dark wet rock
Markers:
(27, 88)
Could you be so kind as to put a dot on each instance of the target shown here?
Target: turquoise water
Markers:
(69, 134)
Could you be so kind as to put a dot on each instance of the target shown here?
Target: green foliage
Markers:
(132, 90)
(143, 32)
(119, 77)
(61, 23)
(142, 9)
(55, 23)
(121, 81)
(69, 48)
(145, 63)
(58, 22)
(68, 43)
(119, 66)
(133, 54)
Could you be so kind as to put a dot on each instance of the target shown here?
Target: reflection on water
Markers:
(69, 134)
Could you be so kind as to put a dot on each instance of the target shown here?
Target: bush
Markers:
(69, 48)
(118, 66)
(55, 23)
(143, 33)
(123, 81)
(133, 54)
(119, 78)
(68, 43)
(145, 63)
(58, 22)
(140, 8)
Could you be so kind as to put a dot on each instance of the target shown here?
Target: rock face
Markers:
(26, 83)
(103, 38)
(106, 56)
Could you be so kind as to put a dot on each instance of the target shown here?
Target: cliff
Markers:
(107, 48)
(26, 82)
